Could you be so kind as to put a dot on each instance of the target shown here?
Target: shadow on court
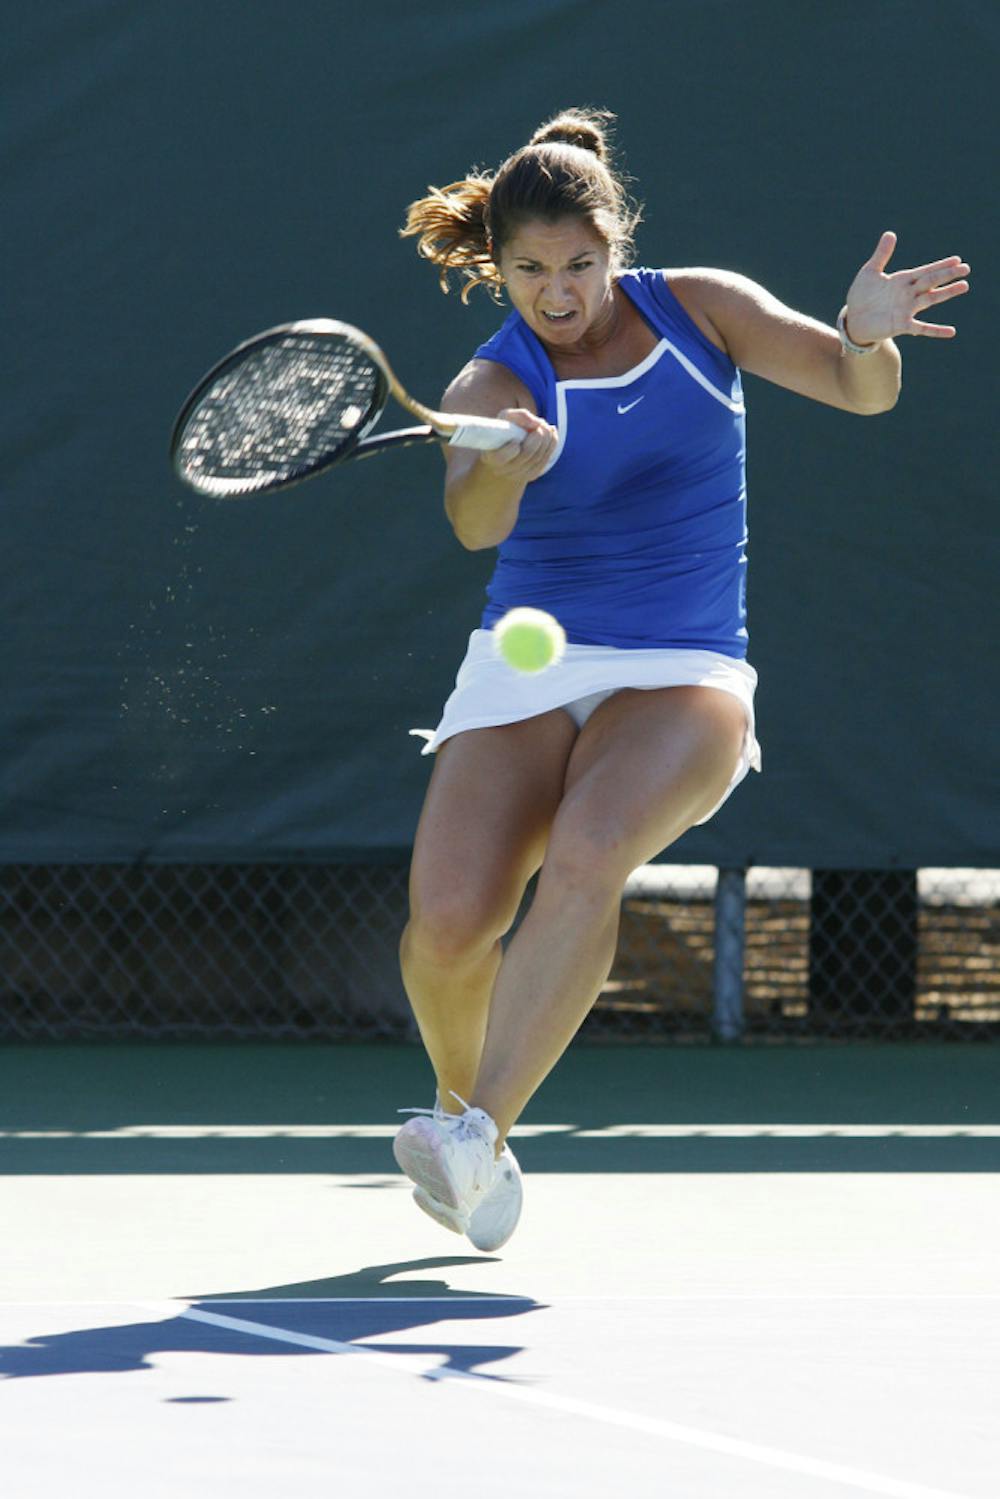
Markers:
(375, 1281)
(380, 1307)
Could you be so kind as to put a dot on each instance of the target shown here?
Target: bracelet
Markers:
(848, 341)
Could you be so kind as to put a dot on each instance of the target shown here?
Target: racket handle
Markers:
(484, 432)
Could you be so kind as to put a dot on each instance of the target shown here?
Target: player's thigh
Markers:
(646, 767)
(485, 823)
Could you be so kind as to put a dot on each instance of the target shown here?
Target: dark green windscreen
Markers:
(190, 680)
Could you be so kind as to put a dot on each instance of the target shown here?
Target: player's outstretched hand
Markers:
(881, 305)
(526, 460)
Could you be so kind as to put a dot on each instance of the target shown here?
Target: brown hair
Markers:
(565, 170)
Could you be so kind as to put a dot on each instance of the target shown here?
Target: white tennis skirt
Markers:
(487, 692)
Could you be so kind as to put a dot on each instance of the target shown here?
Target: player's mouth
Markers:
(558, 317)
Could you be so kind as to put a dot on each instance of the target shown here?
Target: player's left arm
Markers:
(767, 338)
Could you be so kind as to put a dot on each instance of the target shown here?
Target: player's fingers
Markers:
(527, 458)
(932, 330)
(525, 419)
(933, 282)
(937, 270)
(536, 447)
(539, 433)
(882, 253)
(503, 458)
(935, 294)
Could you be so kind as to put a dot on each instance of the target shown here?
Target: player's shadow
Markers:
(343, 1309)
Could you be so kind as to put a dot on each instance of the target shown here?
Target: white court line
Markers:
(175, 1308)
(791, 1131)
(690, 1436)
(675, 1296)
(523, 1132)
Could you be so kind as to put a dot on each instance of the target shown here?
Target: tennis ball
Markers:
(529, 639)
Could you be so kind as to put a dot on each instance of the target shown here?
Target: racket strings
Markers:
(278, 412)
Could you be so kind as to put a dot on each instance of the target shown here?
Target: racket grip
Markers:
(484, 432)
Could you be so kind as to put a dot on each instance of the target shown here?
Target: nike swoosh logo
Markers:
(622, 409)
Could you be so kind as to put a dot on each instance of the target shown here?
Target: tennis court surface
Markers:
(770, 1273)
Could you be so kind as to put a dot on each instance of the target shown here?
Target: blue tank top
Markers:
(636, 534)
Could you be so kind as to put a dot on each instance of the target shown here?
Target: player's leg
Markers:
(482, 834)
(645, 768)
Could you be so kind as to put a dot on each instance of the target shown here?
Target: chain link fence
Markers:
(786, 954)
(272, 952)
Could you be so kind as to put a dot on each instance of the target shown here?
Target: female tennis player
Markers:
(622, 513)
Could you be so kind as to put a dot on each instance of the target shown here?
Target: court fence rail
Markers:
(309, 952)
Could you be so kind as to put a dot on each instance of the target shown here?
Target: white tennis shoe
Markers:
(453, 1218)
(495, 1219)
(450, 1158)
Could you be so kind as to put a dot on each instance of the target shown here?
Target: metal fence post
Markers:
(730, 936)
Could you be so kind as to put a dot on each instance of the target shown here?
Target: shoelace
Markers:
(464, 1128)
(437, 1112)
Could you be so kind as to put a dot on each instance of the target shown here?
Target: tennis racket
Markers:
(296, 400)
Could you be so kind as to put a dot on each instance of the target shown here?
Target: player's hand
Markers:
(525, 460)
(883, 306)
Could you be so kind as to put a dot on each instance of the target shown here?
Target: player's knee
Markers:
(456, 924)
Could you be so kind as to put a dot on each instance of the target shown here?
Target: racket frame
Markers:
(458, 431)
(461, 431)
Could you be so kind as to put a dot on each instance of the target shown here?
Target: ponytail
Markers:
(452, 229)
(565, 171)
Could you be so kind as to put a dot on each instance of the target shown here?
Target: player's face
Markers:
(559, 278)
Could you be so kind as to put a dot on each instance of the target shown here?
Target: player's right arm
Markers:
(483, 490)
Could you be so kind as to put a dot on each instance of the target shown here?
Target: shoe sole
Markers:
(449, 1218)
(417, 1155)
(486, 1236)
